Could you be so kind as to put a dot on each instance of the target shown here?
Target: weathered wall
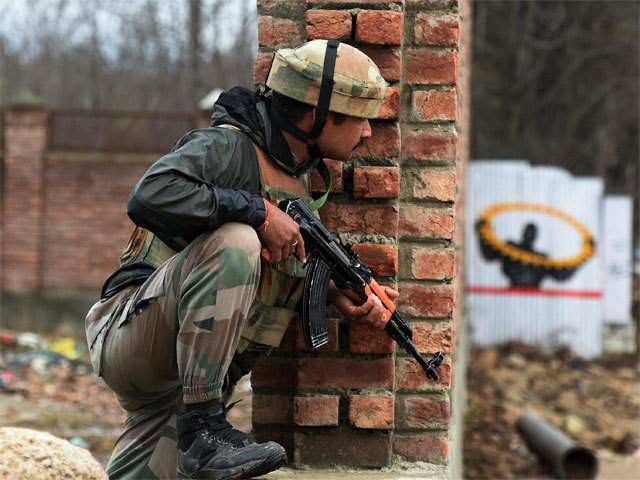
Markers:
(63, 214)
(359, 401)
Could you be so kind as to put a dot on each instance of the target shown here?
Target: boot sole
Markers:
(274, 461)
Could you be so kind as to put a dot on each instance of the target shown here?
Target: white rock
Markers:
(30, 454)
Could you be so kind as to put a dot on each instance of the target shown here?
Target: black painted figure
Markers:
(520, 274)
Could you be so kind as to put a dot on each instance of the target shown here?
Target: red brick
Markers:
(345, 373)
(348, 448)
(423, 412)
(381, 259)
(273, 32)
(388, 60)
(328, 24)
(411, 375)
(364, 339)
(425, 222)
(335, 167)
(379, 27)
(430, 264)
(430, 338)
(334, 342)
(26, 116)
(431, 67)
(268, 408)
(430, 146)
(424, 448)
(261, 66)
(381, 219)
(276, 372)
(21, 255)
(418, 300)
(374, 412)
(316, 411)
(434, 105)
(390, 107)
(376, 182)
(435, 184)
(383, 142)
(433, 30)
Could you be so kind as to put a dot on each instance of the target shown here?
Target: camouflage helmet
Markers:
(358, 87)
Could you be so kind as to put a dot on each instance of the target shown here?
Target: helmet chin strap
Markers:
(326, 88)
(322, 112)
(322, 109)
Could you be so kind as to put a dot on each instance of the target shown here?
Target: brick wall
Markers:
(85, 220)
(25, 140)
(63, 214)
(359, 401)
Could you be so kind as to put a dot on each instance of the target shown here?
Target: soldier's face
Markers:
(338, 141)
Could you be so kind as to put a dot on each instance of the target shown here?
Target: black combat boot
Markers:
(209, 447)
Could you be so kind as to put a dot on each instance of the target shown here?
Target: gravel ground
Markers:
(596, 403)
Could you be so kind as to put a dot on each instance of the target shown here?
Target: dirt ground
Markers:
(45, 391)
(596, 403)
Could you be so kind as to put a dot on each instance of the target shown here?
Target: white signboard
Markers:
(617, 240)
(533, 256)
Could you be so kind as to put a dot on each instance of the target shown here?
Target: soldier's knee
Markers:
(242, 236)
(232, 241)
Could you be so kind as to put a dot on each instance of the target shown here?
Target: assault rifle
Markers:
(328, 259)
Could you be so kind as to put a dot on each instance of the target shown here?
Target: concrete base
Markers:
(458, 402)
(46, 312)
(619, 338)
(418, 470)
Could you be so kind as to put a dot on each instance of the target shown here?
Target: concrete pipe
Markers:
(553, 447)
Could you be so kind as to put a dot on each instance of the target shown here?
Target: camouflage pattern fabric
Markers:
(278, 296)
(359, 87)
(144, 246)
(215, 297)
(171, 341)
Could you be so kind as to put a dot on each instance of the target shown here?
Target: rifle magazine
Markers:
(314, 304)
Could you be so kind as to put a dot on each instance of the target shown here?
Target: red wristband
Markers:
(267, 218)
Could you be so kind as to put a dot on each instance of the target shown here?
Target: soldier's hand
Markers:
(370, 313)
(280, 236)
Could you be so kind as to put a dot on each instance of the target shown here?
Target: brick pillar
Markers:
(359, 400)
(428, 285)
(25, 143)
(280, 24)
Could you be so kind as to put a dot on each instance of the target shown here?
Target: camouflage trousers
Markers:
(171, 340)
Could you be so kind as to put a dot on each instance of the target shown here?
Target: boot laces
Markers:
(222, 432)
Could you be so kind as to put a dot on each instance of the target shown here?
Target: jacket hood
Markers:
(251, 112)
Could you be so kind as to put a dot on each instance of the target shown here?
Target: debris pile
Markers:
(596, 403)
(48, 384)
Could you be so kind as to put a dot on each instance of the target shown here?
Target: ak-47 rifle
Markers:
(328, 259)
